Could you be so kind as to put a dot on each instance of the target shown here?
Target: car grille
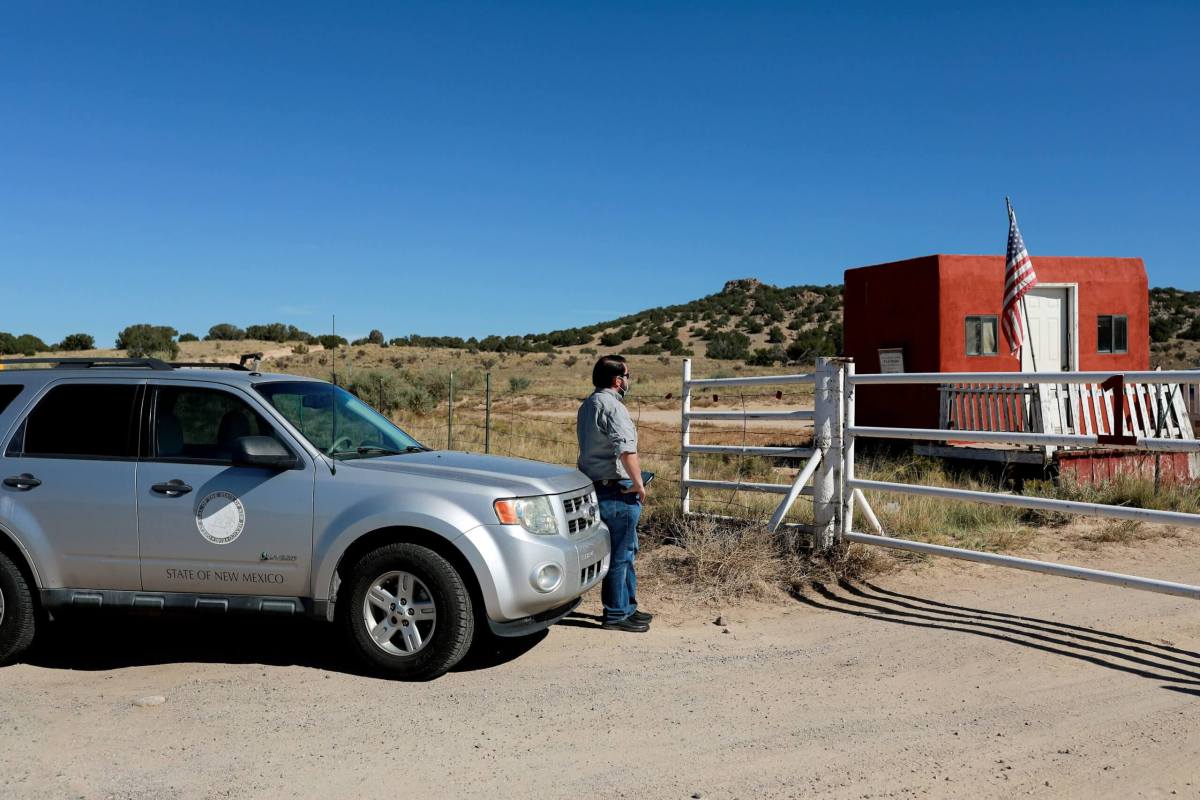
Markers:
(590, 574)
(581, 512)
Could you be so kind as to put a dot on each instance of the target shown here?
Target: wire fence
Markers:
(542, 426)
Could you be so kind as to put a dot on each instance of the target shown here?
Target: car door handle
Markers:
(24, 481)
(174, 488)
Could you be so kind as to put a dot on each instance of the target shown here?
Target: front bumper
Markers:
(505, 558)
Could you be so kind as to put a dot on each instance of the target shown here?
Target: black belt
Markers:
(608, 483)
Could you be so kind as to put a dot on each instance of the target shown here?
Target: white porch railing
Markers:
(1150, 409)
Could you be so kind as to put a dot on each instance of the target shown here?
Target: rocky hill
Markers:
(746, 321)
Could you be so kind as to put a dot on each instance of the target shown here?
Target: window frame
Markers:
(1112, 334)
(15, 447)
(149, 451)
(979, 318)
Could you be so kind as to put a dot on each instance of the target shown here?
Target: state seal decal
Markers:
(220, 517)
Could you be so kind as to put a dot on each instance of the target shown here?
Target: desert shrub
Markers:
(570, 361)
(389, 392)
(721, 560)
(300, 349)
(271, 332)
(144, 340)
(518, 384)
(26, 344)
(1161, 329)
(188, 337)
(330, 341)
(225, 332)
(1192, 332)
(77, 341)
(728, 345)
(766, 356)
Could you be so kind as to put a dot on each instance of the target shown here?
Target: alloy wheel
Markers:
(399, 613)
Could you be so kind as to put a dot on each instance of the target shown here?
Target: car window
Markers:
(202, 424)
(93, 420)
(336, 422)
(8, 393)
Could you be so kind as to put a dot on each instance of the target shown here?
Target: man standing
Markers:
(608, 455)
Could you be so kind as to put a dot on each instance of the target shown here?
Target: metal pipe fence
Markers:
(1152, 403)
(791, 491)
(1152, 406)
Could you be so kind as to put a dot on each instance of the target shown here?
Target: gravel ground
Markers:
(945, 680)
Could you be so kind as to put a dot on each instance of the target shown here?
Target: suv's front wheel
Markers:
(408, 612)
(17, 616)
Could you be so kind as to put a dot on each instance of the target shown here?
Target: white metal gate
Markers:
(837, 493)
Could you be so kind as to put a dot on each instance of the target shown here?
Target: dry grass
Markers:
(706, 560)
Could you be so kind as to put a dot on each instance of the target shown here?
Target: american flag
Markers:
(1019, 278)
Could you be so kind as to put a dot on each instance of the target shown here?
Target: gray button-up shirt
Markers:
(605, 430)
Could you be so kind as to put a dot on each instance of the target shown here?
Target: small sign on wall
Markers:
(891, 359)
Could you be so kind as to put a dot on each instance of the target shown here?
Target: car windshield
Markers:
(336, 422)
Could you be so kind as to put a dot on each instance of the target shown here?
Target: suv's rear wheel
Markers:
(16, 612)
(407, 612)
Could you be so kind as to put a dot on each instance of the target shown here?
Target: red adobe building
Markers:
(941, 313)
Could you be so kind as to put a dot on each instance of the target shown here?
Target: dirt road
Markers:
(945, 680)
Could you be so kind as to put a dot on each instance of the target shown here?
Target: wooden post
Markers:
(487, 412)
(450, 415)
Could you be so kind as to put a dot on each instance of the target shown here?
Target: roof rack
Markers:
(134, 363)
(87, 363)
(240, 366)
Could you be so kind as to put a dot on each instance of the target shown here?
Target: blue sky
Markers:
(465, 169)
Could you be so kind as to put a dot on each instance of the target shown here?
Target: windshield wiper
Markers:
(377, 450)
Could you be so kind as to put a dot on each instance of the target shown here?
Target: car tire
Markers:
(17, 613)
(407, 612)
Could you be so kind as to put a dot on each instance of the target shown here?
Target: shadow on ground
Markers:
(106, 641)
(1179, 669)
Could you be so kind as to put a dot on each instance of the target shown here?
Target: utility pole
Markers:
(334, 341)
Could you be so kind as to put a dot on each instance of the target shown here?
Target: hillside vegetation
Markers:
(747, 322)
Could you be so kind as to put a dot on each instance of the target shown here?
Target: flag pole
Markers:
(1029, 334)
(1024, 306)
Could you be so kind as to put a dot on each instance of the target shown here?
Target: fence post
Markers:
(827, 438)
(685, 459)
(450, 415)
(487, 412)
(847, 525)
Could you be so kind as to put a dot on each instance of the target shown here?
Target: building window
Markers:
(1112, 333)
(981, 335)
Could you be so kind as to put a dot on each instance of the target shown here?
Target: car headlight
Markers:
(534, 514)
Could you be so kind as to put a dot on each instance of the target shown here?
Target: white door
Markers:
(1047, 343)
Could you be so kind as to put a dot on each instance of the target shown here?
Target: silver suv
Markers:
(142, 484)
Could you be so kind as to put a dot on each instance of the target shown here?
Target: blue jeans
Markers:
(620, 512)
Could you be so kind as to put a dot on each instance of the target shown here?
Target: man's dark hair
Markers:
(607, 368)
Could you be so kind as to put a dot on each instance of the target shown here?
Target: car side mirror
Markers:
(262, 451)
